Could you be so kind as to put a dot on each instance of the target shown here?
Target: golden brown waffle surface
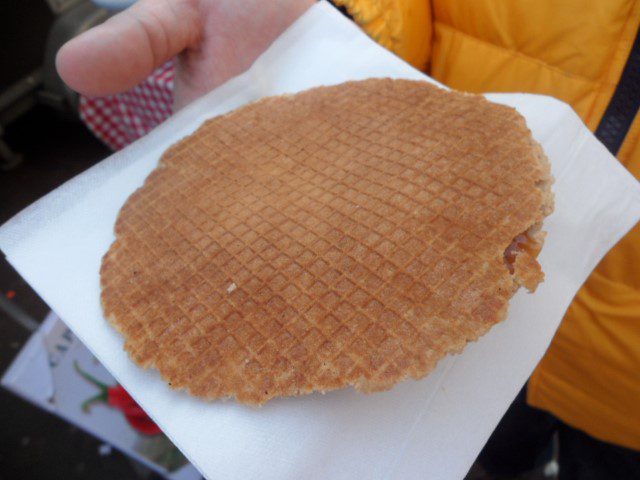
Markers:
(345, 235)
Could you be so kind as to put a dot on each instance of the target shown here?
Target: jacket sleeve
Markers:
(402, 26)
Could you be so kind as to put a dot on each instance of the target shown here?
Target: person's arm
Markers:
(213, 40)
(404, 27)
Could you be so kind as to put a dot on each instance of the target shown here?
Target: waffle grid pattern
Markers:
(348, 235)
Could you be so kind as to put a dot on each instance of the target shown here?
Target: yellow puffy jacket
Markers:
(577, 51)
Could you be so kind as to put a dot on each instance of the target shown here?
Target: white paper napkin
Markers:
(433, 428)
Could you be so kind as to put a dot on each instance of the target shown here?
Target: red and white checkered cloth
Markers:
(120, 119)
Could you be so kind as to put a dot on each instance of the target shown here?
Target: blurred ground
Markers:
(35, 444)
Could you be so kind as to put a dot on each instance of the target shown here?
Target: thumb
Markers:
(123, 51)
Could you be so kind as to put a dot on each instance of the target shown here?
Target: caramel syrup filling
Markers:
(522, 243)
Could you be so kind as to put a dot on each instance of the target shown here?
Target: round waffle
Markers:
(345, 235)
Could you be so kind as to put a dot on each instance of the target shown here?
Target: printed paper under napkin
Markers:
(433, 428)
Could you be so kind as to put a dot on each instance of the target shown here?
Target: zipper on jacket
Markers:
(623, 107)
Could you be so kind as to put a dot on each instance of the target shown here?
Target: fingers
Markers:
(119, 54)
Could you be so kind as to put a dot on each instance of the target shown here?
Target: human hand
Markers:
(214, 40)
